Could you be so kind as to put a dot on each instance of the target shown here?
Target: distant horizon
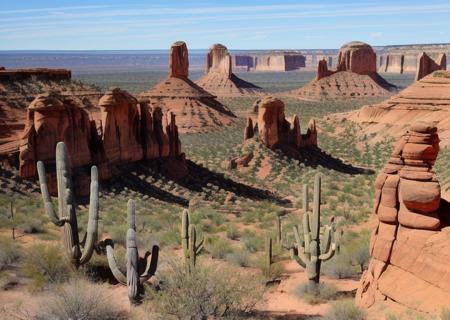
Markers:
(99, 25)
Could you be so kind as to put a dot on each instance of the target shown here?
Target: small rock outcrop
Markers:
(275, 130)
(219, 78)
(426, 65)
(355, 76)
(196, 109)
(410, 246)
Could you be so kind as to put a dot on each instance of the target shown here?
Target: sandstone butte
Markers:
(427, 99)
(196, 109)
(404, 60)
(123, 131)
(426, 65)
(355, 76)
(275, 130)
(410, 246)
(220, 80)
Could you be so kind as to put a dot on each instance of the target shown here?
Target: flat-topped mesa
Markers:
(219, 60)
(179, 60)
(219, 79)
(196, 109)
(355, 76)
(276, 131)
(125, 131)
(357, 57)
(410, 247)
(426, 65)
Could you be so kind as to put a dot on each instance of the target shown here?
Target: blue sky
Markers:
(283, 24)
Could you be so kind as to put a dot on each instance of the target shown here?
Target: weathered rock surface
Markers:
(123, 131)
(275, 130)
(427, 99)
(410, 247)
(219, 78)
(426, 65)
(355, 76)
(285, 61)
(196, 109)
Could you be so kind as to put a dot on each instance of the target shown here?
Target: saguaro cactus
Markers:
(314, 249)
(139, 270)
(78, 252)
(268, 255)
(189, 243)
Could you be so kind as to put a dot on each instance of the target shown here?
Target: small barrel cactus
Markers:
(78, 251)
(314, 249)
(191, 247)
(138, 270)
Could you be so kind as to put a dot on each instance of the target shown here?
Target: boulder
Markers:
(410, 247)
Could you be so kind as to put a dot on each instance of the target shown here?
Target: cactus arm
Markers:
(298, 254)
(297, 257)
(326, 239)
(112, 262)
(306, 232)
(329, 254)
(199, 247)
(315, 219)
(151, 266)
(92, 227)
(132, 266)
(46, 196)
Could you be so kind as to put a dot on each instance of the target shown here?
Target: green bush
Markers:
(345, 310)
(324, 293)
(339, 267)
(207, 292)
(45, 264)
(10, 252)
(232, 232)
(240, 258)
(218, 247)
(252, 241)
(79, 299)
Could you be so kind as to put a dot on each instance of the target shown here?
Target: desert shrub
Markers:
(359, 252)
(345, 310)
(252, 241)
(339, 267)
(218, 247)
(31, 226)
(208, 292)
(232, 232)
(445, 314)
(324, 293)
(45, 264)
(79, 299)
(240, 258)
(274, 271)
(10, 252)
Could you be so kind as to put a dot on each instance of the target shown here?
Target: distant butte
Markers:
(355, 76)
(196, 109)
(219, 78)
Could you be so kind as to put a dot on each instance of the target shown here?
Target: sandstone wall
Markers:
(270, 62)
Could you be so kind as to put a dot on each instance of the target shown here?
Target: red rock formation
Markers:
(286, 61)
(219, 78)
(120, 127)
(196, 109)
(126, 132)
(410, 247)
(426, 65)
(35, 73)
(52, 118)
(354, 77)
(357, 57)
(249, 131)
(179, 60)
(275, 130)
(243, 161)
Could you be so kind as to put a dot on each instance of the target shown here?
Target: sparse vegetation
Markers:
(345, 310)
(324, 293)
(10, 252)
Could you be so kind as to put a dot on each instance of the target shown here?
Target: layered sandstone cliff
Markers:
(355, 76)
(427, 99)
(220, 80)
(426, 65)
(196, 109)
(269, 62)
(410, 246)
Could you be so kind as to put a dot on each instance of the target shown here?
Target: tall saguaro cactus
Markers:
(314, 249)
(79, 252)
(191, 247)
(139, 270)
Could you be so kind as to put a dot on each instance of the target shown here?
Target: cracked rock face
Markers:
(410, 247)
